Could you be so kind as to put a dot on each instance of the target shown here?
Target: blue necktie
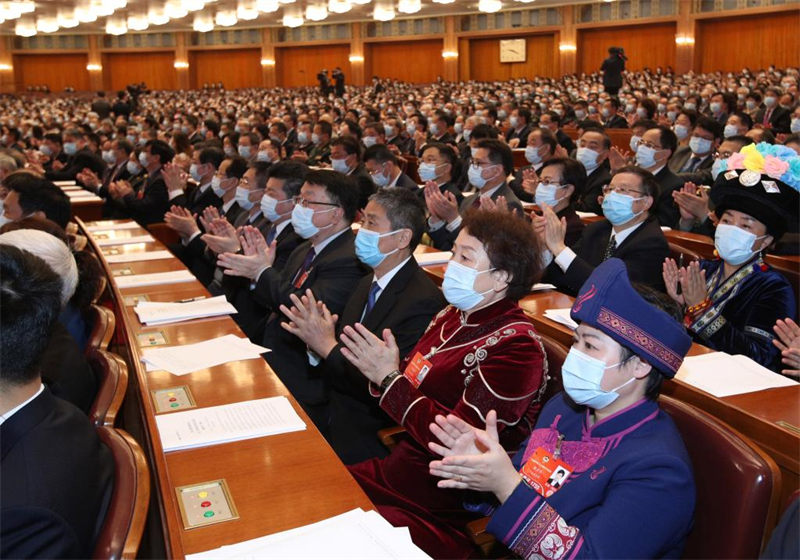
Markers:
(271, 235)
(371, 298)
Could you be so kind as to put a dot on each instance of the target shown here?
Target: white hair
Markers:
(51, 250)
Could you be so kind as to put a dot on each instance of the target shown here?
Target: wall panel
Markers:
(298, 66)
(754, 41)
(56, 71)
(235, 68)
(408, 61)
(645, 45)
(153, 68)
(485, 65)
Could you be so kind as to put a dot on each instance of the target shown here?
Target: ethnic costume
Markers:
(493, 360)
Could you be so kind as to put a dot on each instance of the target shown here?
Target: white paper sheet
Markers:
(561, 316)
(125, 240)
(355, 535)
(67, 183)
(139, 256)
(229, 422)
(586, 214)
(153, 279)
(429, 259)
(71, 188)
(111, 226)
(184, 359)
(540, 287)
(723, 375)
(162, 313)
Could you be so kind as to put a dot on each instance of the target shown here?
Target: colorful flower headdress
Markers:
(773, 160)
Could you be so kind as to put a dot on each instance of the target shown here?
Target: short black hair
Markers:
(667, 138)
(341, 189)
(649, 182)
(292, 173)
(30, 296)
(354, 128)
(379, 153)
(161, 149)
(745, 118)
(404, 209)
(37, 194)
(572, 173)
(124, 144)
(499, 152)
(211, 155)
(484, 131)
(324, 127)
(237, 168)
(350, 145)
(710, 125)
(54, 137)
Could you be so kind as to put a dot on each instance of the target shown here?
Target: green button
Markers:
(208, 514)
(175, 405)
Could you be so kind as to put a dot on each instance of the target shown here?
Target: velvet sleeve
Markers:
(506, 380)
(647, 509)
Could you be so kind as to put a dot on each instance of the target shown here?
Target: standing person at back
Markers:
(612, 70)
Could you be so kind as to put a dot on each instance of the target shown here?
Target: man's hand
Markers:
(444, 206)
(312, 322)
(182, 221)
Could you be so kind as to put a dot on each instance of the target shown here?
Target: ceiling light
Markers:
(292, 20)
(46, 24)
(247, 10)
(175, 10)
(156, 16)
(361, 2)
(226, 18)
(316, 12)
(102, 8)
(180, 65)
(339, 6)
(6, 67)
(449, 54)
(383, 13)
(193, 5)
(84, 14)
(355, 58)
(66, 18)
(286, 1)
(409, 6)
(443, 1)
(25, 28)
(489, 6)
(267, 62)
(25, 6)
(94, 67)
(267, 6)
(138, 23)
(115, 26)
(567, 47)
(203, 23)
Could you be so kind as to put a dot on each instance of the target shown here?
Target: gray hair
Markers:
(7, 163)
(404, 210)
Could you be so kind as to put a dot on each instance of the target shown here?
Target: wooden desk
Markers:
(87, 210)
(770, 418)
(276, 482)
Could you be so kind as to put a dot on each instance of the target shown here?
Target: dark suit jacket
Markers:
(111, 174)
(332, 277)
(56, 483)
(196, 201)
(616, 121)
(150, 203)
(65, 369)
(406, 306)
(587, 201)
(406, 182)
(565, 141)
(643, 252)
(443, 238)
(666, 209)
(82, 159)
(449, 186)
(522, 135)
(780, 120)
(682, 155)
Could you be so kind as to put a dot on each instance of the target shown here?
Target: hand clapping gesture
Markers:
(374, 357)
(312, 322)
(788, 342)
(257, 255)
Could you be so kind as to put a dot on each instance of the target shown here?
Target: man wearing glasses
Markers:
(325, 263)
(628, 232)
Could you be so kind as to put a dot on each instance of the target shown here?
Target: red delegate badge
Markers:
(544, 473)
(417, 369)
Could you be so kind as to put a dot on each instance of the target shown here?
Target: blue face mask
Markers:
(699, 145)
(734, 245)
(264, 156)
(618, 208)
(587, 157)
(467, 133)
(340, 165)
(269, 208)
(645, 157)
(427, 171)
(70, 148)
(132, 167)
(582, 376)
(244, 151)
(715, 168)
(458, 286)
(547, 194)
(532, 155)
(367, 249)
(680, 131)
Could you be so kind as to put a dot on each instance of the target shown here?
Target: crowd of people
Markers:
(263, 188)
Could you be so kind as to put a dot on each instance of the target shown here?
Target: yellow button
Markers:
(170, 394)
(202, 494)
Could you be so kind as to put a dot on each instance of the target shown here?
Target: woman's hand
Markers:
(670, 273)
(788, 342)
(693, 283)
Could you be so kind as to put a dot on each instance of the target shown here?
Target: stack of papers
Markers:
(586, 214)
(146, 238)
(561, 316)
(228, 422)
(354, 535)
(723, 375)
(429, 259)
(139, 256)
(111, 226)
(162, 313)
(184, 359)
(153, 279)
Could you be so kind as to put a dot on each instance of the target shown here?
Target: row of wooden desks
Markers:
(276, 482)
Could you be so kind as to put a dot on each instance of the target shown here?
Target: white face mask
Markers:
(459, 286)
(588, 157)
(243, 198)
(583, 376)
(734, 245)
(532, 155)
(269, 207)
(302, 221)
(699, 145)
(340, 165)
(475, 176)
(216, 186)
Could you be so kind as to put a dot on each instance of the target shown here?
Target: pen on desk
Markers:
(190, 300)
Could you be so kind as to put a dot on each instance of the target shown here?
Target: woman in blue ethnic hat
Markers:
(732, 303)
(609, 478)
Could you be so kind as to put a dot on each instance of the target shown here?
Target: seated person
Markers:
(489, 168)
(733, 303)
(79, 157)
(64, 366)
(593, 150)
(205, 163)
(384, 170)
(630, 491)
(346, 157)
(57, 476)
(562, 182)
(398, 295)
(541, 146)
(628, 232)
(479, 354)
(30, 195)
(440, 165)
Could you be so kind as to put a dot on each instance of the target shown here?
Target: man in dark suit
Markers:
(520, 121)
(121, 108)
(326, 264)
(773, 116)
(552, 121)
(149, 204)
(611, 116)
(492, 164)
(612, 69)
(57, 476)
(116, 170)
(79, 157)
(399, 295)
(628, 233)
(31, 196)
(101, 106)
(204, 166)
(439, 165)
(594, 146)
(439, 129)
(384, 171)
(698, 155)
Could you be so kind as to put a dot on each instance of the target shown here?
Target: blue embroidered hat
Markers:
(608, 302)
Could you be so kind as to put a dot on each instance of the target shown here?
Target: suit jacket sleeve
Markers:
(35, 532)
(152, 206)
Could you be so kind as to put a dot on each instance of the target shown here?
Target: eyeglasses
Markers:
(621, 189)
(548, 182)
(482, 164)
(299, 200)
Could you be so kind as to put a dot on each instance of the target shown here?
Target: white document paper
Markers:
(111, 226)
(355, 535)
(139, 256)
(153, 279)
(184, 359)
(561, 316)
(162, 313)
(71, 188)
(125, 240)
(723, 375)
(228, 422)
(540, 287)
(429, 259)
(586, 214)
(67, 183)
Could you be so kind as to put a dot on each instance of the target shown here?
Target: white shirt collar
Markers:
(622, 235)
(227, 206)
(281, 226)
(384, 280)
(204, 188)
(19, 407)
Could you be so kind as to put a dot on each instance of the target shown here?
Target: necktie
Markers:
(371, 298)
(691, 164)
(610, 248)
(477, 202)
(300, 277)
(271, 235)
(767, 115)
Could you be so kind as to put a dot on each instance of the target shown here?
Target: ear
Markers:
(640, 368)
(766, 242)
(501, 279)
(569, 190)
(404, 238)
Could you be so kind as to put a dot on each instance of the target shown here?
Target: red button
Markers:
(205, 504)
(173, 399)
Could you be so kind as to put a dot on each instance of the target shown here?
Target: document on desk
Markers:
(724, 375)
(153, 279)
(561, 316)
(355, 535)
(540, 287)
(125, 240)
(213, 425)
(586, 214)
(184, 359)
(65, 183)
(428, 259)
(111, 226)
(139, 256)
(164, 312)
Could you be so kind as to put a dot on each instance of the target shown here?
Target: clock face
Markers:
(512, 50)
